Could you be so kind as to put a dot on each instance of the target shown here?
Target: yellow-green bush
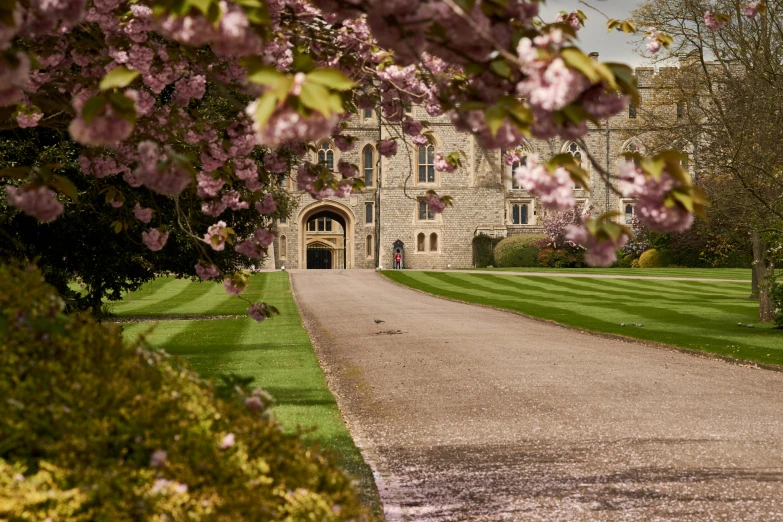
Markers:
(94, 428)
(515, 242)
(655, 259)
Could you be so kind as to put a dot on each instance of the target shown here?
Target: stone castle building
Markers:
(365, 229)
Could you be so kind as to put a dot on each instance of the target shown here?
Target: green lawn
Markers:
(743, 274)
(690, 314)
(277, 353)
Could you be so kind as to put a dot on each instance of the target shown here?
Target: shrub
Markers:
(523, 256)
(635, 263)
(95, 428)
(625, 262)
(560, 258)
(483, 246)
(655, 259)
(512, 242)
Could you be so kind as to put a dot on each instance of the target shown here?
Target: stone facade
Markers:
(482, 189)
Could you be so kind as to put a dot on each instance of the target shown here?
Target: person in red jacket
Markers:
(397, 260)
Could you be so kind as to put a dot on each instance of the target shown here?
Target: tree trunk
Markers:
(763, 271)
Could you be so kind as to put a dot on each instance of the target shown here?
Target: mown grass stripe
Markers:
(697, 318)
(149, 294)
(701, 273)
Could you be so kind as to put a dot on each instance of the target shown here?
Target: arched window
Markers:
(629, 211)
(433, 242)
(368, 166)
(283, 246)
(326, 155)
(520, 214)
(369, 246)
(420, 242)
(574, 150)
(427, 164)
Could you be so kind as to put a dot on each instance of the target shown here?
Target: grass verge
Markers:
(277, 353)
(696, 315)
(743, 274)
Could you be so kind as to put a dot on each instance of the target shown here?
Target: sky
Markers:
(612, 47)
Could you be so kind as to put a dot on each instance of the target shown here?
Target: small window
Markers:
(408, 106)
(369, 246)
(283, 221)
(628, 214)
(425, 214)
(427, 164)
(574, 150)
(368, 165)
(520, 214)
(321, 224)
(433, 242)
(420, 243)
(632, 110)
(368, 213)
(326, 155)
(367, 114)
(283, 246)
(680, 110)
(282, 181)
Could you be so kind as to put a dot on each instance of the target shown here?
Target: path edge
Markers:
(616, 337)
(368, 454)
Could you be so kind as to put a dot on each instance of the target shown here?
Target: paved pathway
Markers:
(468, 413)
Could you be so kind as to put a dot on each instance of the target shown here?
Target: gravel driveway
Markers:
(468, 413)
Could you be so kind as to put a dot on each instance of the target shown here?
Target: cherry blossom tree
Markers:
(128, 80)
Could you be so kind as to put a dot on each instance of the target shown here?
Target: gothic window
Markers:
(427, 164)
(321, 224)
(433, 242)
(520, 213)
(680, 110)
(368, 213)
(574, 150)
(368, 166)
(632, 110)
(326, 155)
(629, 211)
(515, 166)
(420, 243)
(369, 246)
(425, 214)
(283, 247)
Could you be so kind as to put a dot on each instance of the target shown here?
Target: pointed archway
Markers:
(326, 231)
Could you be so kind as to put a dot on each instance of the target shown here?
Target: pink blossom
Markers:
(208, 187)
(555, 190)
(154, 239)
(104, 129)
(28, 119)
(188, 89)
(275, 164)
(712, 22)
(13, 79)
(116, 203)
(158, 459)
(650, 195)
(412, 127)
(571, 19)
(420, 140)
(286, 124)
(653, 44)
(40, 203)
(344, 143)
(435, 204)
(206, 271)
(254, 403)
(256, 312)
(598, 253)
(232, 287)
(213, 208)
(387, 148)
(441, 165)
(267, 206)
(555, 88)
(751, 9)
(142, 214)
(215, 237)
(228, 441)
(233, 200)
(346, 169)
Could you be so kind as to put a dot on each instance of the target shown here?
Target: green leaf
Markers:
(331, 78)
(653, 166)
(123, 106)
(501, 68)
(118, 77)
(15, 172)
(266, 106)
(303, 63)
(264, 75)
(494, 116)
(316, 97)
(92, 107)
(66, 186)
(576, 59)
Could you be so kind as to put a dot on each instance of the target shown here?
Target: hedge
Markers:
(96, 428)
(524, 256)
(515, 242)
(655, 259)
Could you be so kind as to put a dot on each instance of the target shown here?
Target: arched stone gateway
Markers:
(326, 231)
